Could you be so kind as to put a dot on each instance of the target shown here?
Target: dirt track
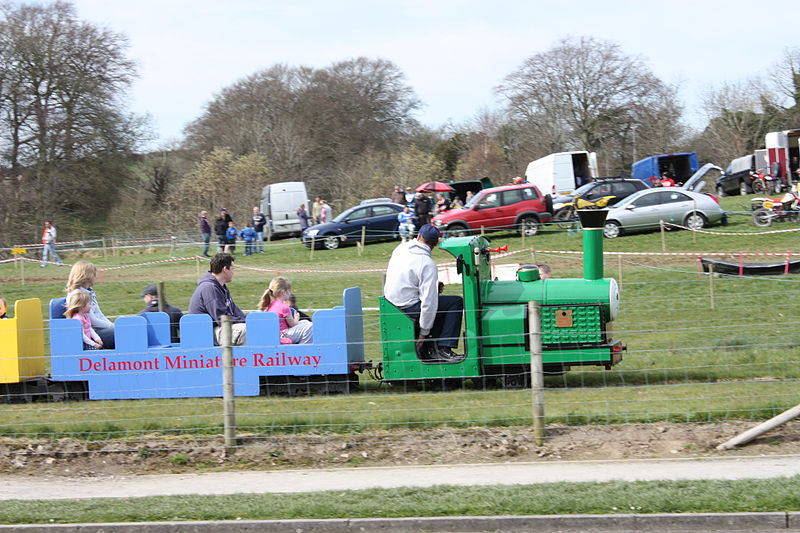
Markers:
(155, 454)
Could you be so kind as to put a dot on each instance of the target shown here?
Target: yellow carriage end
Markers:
(22, 343)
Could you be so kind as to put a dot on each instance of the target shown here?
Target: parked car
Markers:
(521, 207)
(379, 220)
(617, 187)
(644, 210)
(738, 176)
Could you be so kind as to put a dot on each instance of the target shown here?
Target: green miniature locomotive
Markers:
(575, 318)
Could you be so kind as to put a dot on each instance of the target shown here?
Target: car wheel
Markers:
(720, 191)
(695, 221)
(457, 230)
(743, 188)
(331, 242)
(528, 226)
(758, 186)
(612, 229)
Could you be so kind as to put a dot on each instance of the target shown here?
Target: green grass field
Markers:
(686, 361)
(751, 495)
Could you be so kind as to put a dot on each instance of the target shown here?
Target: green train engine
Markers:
(575, 318)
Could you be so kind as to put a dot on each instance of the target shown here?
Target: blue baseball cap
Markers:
(430, 233)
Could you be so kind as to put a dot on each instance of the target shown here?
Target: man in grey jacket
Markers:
(212, 297)
(412, 286)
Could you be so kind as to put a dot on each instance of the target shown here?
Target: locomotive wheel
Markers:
(331, 242)
(762, 218)
(695, 221)
(528, 226)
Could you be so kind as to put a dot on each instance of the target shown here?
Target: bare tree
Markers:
(785, 85)
(312, 124)
(581, 93)
(63, 129)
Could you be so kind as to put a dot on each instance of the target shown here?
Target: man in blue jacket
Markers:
(212, 297)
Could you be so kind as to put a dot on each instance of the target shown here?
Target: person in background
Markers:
(327, 212)
(406, 226)
(397, 195)
(544, 271)
(230, 237)
(205, 231)
(412, 286)
(250, 242)
(3, 308)
(49, 245)
(150, 297)
(458, 203)
(666, 180)
(277, 299)
(410, 197)
(82, 277)
(293, 304)
(442, 203)
(302, 216)
(221, 228)
(422, 209)
(258, 221)
(470, 194)
(80, 309)
(212, 297)
(316, 209)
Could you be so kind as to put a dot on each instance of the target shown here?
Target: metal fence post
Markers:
(537, 372)
(229, 408)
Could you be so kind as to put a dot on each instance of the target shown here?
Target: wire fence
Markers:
(701, 347)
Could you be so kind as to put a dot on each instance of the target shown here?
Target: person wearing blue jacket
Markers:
(249, 235)
(230, 238)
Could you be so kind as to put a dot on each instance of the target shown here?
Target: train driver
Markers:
(412, 286)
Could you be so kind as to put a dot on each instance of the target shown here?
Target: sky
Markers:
(453, 53)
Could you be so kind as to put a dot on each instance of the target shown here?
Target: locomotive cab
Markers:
(575, 317)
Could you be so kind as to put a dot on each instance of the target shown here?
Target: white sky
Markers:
(452, 52)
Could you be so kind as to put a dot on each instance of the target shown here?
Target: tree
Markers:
(738, 118)
(311, 124)
(586, 94)
(785, 81)
(63, 130)
(220, 179)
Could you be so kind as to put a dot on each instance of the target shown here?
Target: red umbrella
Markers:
(435, 186)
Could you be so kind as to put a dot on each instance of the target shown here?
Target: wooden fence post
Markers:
(537, 372)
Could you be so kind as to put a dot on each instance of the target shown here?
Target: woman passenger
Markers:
(82, 277)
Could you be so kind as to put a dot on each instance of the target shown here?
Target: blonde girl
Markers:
(79, 308)
(3, 308)
(276, 300)
(82, 277)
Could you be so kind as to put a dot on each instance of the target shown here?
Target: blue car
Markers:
(379, 220)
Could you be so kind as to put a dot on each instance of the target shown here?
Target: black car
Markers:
(615, 186)
(379, 220)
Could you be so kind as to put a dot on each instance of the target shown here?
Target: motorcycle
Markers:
(762, 183)
(769, 210)
(566, 216)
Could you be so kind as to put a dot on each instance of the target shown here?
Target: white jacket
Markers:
(412, 277)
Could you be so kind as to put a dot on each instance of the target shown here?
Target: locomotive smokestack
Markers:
(592, 221)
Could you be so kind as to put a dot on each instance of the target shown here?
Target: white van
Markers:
(563, 172)
(279, 202)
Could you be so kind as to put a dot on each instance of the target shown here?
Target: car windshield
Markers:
(342, 217)
(583, 189)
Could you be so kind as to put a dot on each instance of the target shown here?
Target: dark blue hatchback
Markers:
(379, 220)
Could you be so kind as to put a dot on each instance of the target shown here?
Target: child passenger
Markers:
(3, 308)
(276, 299)
(79, 307)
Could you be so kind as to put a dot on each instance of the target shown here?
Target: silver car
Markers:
(645, 210)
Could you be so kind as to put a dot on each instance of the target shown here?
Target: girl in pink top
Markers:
(276, 300)
(79, 308)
